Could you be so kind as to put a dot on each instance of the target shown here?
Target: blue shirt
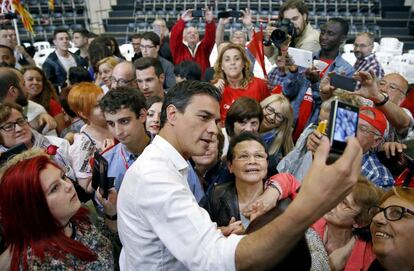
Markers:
(194, 183)
(375, 171)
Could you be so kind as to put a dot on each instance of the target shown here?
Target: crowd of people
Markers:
(190, 157)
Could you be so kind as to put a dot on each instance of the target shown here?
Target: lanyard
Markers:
(124, 159)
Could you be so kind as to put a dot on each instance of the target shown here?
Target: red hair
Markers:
(27, 221)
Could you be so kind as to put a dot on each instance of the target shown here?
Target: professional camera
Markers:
(283, 28)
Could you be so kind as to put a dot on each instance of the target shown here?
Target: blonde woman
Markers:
(276, 127)
(105, 68)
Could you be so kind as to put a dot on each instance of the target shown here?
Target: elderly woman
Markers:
(392, 230)
(43, 222)
(232, 76)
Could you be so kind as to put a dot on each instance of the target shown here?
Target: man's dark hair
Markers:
(8, 48)
(79, 75)
(244, 108)
(123, 98)
(154, 38)
(181, 94)
(244, 136)
(92, 35)
(60, 30)
(188, 69)
(292, 4)
(144, 63)
(8, 78)
(82, 31)
(135, 36)
(344, 24)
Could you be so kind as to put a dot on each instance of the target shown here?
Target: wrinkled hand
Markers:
(314, 140)
(312, 74)
(220, 85)
(393, 148)
(208, 15)
(369, 88)
(325, 88)
(110, 203)
(187, 15)
(247, 18)
(264, 203)
(234, 227)
(46, 119)
(339, 257)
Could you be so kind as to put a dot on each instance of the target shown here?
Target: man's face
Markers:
(123, 75)
(297, 19)
(6, 58)
(160, 28)
(126, 126)
(367, 135)
(196, 127)
(6, 38)
(395, 86)
(61, 41)
(191, 35)
(331, 36)
(79, 41)
(136, 45)
(148, 48)
(363, 47)
(13, 37)
(239, 37)
(149, 83)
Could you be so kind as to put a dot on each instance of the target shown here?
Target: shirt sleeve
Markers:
(182, 226)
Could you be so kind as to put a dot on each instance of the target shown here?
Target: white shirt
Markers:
(160, 224)
(67, 62)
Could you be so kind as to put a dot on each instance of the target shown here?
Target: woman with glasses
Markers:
(15, 129)
(392, 231)
(44, 225)
(232, 76)
(276, 127)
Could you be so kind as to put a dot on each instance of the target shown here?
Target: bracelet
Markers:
(386, 98)
(111, 217)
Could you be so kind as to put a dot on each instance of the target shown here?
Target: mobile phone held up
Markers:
(343, 82)
(230, 13)
(343, 123)
(198, 13)
(100, 175)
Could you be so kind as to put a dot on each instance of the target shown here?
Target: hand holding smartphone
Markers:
(198, 13)
(343, 82)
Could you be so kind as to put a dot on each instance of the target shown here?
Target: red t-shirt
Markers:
(54, 108)
(256, 89)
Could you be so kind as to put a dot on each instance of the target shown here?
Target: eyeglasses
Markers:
(366, 130)
(270, 111)
(362, 46)
(120, 82)
(258, 156)
(147, 47)
(391, 213)
(392, 87)
(10, 126)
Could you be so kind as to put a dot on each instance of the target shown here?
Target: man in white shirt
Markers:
(160, 223)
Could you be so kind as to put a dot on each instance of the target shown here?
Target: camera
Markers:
(284, 28)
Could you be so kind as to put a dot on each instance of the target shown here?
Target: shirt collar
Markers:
(170, 152)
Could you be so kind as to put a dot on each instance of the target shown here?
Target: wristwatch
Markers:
(384, 101)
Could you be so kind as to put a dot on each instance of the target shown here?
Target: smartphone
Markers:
(197, 13)
(301, 57)
(343, 123)
(230, 13)
(343, 82)
(100, 175)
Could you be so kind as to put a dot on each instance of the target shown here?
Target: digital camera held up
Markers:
(284, 28)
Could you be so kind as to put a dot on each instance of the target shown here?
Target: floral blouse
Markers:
(88, 235)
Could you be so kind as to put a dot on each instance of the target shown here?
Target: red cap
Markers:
(379, 121)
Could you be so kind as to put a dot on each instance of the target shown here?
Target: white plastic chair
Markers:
(348, 48)
(391, 45)
(127, 51)
(41, 56)
(41, 45)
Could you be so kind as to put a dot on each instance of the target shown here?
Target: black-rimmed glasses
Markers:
(391, 213)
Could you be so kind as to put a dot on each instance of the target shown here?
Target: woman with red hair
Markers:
(44, 225)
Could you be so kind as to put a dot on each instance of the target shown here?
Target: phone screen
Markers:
(343, 82)
(198, 13)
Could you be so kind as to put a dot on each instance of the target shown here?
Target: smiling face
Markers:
(20, 134)
(60, 194)
(393, 239)
(272, 116)
(153, 118)
(105, 72)
(196, 127)
(33, 83)
(249, 162)
(344, 214)
(232, 64)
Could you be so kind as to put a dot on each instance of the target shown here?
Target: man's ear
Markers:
(172, 112)
(12, 92)
(305, 18)
(377, 142)
(143, 115)
(162, 78)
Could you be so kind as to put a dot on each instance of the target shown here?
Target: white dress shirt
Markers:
(160, 224)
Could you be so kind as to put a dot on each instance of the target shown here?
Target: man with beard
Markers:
(7, 58)
(12, 91)
(297, 12)
(366, 60)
